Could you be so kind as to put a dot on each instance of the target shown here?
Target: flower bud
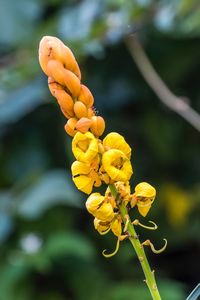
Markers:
(93, 202)
(85, 96)
(83, 125)
(80, 110)
(97, 126)
(70, 126)
(91, 112)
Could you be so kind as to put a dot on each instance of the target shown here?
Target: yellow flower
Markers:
(93, 202)
(116, 226)
(178, 204)
(85, 175)
(116, 141)
(85, 146)
(100, 226)
(145, 195)
(117, 165)
(105, 212)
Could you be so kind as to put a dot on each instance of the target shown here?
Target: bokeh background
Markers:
(48, 246)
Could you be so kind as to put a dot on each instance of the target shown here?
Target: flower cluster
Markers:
(97, 160)
(75, 99)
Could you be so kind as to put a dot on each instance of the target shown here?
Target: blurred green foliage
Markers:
(48, 247)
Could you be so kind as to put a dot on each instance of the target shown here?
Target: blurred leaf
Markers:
(17, 20)
(53, 188)
(75, 22)
(20, 102)
(69, 243)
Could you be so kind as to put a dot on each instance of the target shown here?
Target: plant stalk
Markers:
(139, 249)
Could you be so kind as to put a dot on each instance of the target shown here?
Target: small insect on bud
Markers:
(98, 125)
(80, 110)
(85, 96)
(83, 125)
(70, 126)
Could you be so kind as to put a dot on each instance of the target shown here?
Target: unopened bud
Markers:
(80, 110)
(86, 96)
(97, 126)
(70, 126)
(83, 125)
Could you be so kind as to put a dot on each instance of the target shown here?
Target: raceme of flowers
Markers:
(98, 161)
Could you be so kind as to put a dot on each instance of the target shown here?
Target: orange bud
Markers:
(86, 96)
(70, 126)
(53, 48)
(98, 125)
(65, 101)
(69, 61)
(83, 125)
(80, 109)
(72, 83)
(56, 70)
(91, 112)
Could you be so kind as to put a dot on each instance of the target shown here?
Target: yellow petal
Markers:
(116, 141)
(116, 227)
(117, 165)
(80, 168)
(104, 212)
(93, 202)
(144, 209)
(84, 146)
(145, 190)
(84, 183)
(101, 227)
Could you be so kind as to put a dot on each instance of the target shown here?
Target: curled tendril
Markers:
(105, 232)
(137, 222)
(149, 243)
(114, 252)
(126, 224)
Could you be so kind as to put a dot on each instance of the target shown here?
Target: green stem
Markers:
(149, 274)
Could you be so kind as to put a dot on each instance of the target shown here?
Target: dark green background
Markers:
(48, 246)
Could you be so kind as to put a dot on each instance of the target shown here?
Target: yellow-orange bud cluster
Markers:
(97, 161)
(64, 80)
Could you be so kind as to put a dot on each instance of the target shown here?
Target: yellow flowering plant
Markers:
(98, 161)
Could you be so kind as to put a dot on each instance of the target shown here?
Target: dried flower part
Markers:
(117, 165)
(116, 141)
(85, 146)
